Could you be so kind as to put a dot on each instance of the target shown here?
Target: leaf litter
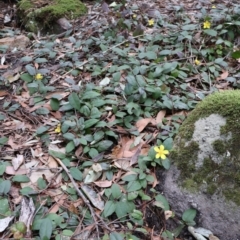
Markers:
(104, 92)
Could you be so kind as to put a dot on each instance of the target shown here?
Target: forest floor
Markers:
(81, 115)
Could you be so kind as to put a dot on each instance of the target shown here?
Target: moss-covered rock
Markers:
(38, 15)
(206, 163)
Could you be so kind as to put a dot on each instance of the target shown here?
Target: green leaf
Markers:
(42, 130)
(2, 169)
(41, 183)
(165, 52)
(89, 123)
(3, 140)
(21, 178)
(5, 186)
(75, 173)
(74, 101)
(54, 103)
(57, 154)
(26, 59)
(68, 136)
(130, 177)
(189, 27)
(189, 215)
(109, 208)
(90, 95)
(133, 186)
(210, 32)
(162, 202)
(166, 163)
(116, 236)
(42, 111)
(26, 77)
(168, 143)
(4, 206)
(46, 228)
(116, 191)
(70, 147)
(27, 190)
(67, 232)
(236, 55)
(104, 145)
(31, 70)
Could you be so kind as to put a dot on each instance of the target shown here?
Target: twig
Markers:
(86, 201)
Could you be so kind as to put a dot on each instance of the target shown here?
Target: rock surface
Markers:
(205, 174)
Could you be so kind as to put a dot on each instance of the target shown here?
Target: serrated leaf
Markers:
(109, 208)
(75, 173)
(46, 228)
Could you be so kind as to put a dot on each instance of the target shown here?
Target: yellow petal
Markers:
(163, 156)
(158, 155)
(156, 149)
(165, 152)
(161, 147)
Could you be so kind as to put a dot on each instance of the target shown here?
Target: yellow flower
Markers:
(206, 24)
(38, 76)
(150, 22)
(213, 6)
(197, 62)
(134, 16)
(161, 153)
(58, 128)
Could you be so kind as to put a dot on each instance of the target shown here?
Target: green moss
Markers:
(224, 176)
(37, 16)
(219, 146)
(25, 5)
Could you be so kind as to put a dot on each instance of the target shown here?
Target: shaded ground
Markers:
(31, 110)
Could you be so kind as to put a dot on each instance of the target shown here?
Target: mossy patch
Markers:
(38, 15)
(211, 176)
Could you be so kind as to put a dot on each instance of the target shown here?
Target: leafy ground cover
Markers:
(87, 118)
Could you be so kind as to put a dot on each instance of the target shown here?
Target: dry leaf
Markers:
(160, 116)
(104, 184)
(142, 123)
(16, 162)
(168, 214)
